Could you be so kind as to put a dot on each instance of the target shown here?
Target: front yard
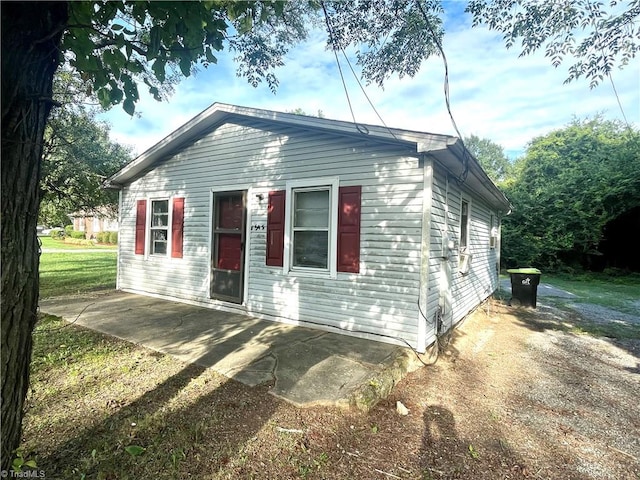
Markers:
(516, 393)
(77, 272)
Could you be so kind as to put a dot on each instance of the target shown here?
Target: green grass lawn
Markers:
(73, 273)
(620, 293)
(48, 242)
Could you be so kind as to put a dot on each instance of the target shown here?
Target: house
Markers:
(102, 219)
(381, 233)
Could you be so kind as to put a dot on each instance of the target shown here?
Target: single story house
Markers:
(387, 234)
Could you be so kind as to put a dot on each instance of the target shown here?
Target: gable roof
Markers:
(445, 148)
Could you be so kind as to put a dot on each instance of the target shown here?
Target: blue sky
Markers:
(494, 93)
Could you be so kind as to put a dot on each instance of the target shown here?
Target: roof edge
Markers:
(218, 112)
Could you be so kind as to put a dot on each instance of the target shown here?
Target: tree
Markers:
(490, 155)
(116, 47)
(598, 35)
(299, 111)
(77, 157)
(567, 187)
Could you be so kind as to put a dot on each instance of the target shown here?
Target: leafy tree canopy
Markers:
(119, 45)
(490, 155)
(596, 35)
(567, 187)
(77, 156)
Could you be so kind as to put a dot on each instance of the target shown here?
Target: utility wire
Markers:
(615, 91)
(331, 39)
(361, 128)
(465, 152)
(365, 94)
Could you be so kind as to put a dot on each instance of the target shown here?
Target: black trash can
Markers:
(524, 286)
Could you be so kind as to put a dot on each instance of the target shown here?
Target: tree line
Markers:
(569, 185)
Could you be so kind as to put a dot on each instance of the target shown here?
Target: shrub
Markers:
(79, 241)
(68, 229)
(56, 233)
(113, 238)
(101, 237)
(75, 234)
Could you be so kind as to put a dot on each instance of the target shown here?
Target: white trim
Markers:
(425, 253)
(333, 183)
(465, 199)
(119, 258)
(147, 248)
(247, 236)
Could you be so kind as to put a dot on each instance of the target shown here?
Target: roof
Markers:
(447, 149)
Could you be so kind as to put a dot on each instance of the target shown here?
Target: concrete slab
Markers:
(303, 366)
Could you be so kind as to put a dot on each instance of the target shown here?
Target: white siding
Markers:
(381, 299)
(457, 293)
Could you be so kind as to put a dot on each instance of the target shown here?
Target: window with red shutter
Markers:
(177, 225)
(275, 228)
(141, 225)
(349, 229)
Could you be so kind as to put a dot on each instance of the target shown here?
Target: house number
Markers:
(258, 227)
(526, 281)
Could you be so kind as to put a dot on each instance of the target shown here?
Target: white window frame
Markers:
(466, 247)
(493, 232)
(149, 228)
(332, 183)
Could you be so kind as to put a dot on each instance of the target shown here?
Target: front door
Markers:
(227, 263)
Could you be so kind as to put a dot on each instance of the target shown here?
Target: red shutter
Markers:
(275, 228)
(177, 225)
(349, 229)
(141, 225)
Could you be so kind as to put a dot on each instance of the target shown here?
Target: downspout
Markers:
(425, 249)
(444, 283)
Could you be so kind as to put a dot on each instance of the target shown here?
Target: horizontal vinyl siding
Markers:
(469, 290)
(381, 299)
(451, 291)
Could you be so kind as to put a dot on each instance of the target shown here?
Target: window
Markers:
(164, 229)
(310, 227)
(159, 228)
(493, 233)
(313, 227)
(464, 225)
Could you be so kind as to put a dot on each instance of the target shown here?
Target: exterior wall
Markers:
(93, 225)
(381, 299)
(457, 293)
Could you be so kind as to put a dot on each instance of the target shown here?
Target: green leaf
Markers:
(185, 64)
(134, 450)
(158, 68)
(129, 106)
(115, 95)
(154, 42)
(30, 464)
(104, 97)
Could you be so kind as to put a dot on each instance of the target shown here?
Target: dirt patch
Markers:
(516, 394)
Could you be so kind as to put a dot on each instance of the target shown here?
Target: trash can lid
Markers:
(525, 271)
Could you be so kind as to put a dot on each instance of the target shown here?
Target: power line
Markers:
(360, 128)
(331, 39)
(465, 152)
(615, 91)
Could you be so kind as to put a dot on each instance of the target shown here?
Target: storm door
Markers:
(228, 240)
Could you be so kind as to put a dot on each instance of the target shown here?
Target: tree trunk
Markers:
(31, 34)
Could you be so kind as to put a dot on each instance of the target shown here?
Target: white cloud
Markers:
(494, 94)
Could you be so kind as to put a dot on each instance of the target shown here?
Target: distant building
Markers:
(102, 219)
